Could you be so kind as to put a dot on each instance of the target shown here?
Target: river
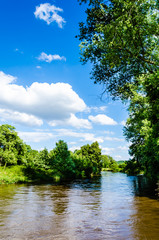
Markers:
(112, 207)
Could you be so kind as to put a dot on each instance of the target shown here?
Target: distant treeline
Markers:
(18, 158)
(20, 163)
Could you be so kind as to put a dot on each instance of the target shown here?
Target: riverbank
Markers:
(14, 174)
(23, 174)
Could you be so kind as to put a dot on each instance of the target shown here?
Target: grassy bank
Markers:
(22, 174)
(14, 174)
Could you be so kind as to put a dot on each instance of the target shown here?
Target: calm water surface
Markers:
(113, 207)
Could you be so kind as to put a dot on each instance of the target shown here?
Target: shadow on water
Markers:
(145, 187)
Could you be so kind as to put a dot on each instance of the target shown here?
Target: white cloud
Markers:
(123, 148)
(108, 132)
(84, 137)
(49, 13)
(123, 123)
(118, 157)
(35, 136)
(102, 119)
(72, 149)
(107, 151)
(49, 58)
(38, 67)
(21, 118)
(6, 78)
(72, 121)
(96, 109)
(39, 136)
(102, 108)
(113, 139)
(50, 102)
(71, 143)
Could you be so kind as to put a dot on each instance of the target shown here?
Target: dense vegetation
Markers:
(121, 39)
(19, 163)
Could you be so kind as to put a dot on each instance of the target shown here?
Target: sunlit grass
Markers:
(14, 174)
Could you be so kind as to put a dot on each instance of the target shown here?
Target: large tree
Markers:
(12, 148)
(142, 126)
(62, 161)
(120, 38)
(91, 155)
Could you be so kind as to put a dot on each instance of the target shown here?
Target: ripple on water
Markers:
(113, 207)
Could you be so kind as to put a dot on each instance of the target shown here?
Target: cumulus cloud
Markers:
(6, 78)
(123, 148)
(107, 151)
(115, 152)
(118, 157)
(21, 118)
(74, 148)
(88, 137)
(113, 139)
(108, 132)
(72, 121)
(43, 135)
(96, 109)
(49, 58)
(102, 119)
(35, 136)
(49, 13)
(50, 102)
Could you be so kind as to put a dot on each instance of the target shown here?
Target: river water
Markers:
(112, 207)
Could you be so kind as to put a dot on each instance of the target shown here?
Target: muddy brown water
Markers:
(112, 207)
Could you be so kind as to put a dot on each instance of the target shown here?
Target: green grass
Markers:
(21, 174)
(120, 162)
(106, 169)
(13, 174)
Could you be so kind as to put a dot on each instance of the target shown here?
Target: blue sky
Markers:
(45, 92)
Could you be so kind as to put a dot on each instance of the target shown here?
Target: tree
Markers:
(43, 159)
(62, 160)
(142, 127)
(109, 162)
(105, 161)
(91, 156)
(12, 148)
(120, 38)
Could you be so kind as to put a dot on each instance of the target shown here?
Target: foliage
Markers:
(56, 165)
(42, 158)
(91, 159)
(12, 148)
(120, 38)
(62, 160)
(142, 127)
(132, 167)
(13, 174)
(108, 163)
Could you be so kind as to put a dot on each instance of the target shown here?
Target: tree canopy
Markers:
(120, 38)
(12, 148)
(59, 163)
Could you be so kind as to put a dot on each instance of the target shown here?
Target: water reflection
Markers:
(110, 207)
(145, 187)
